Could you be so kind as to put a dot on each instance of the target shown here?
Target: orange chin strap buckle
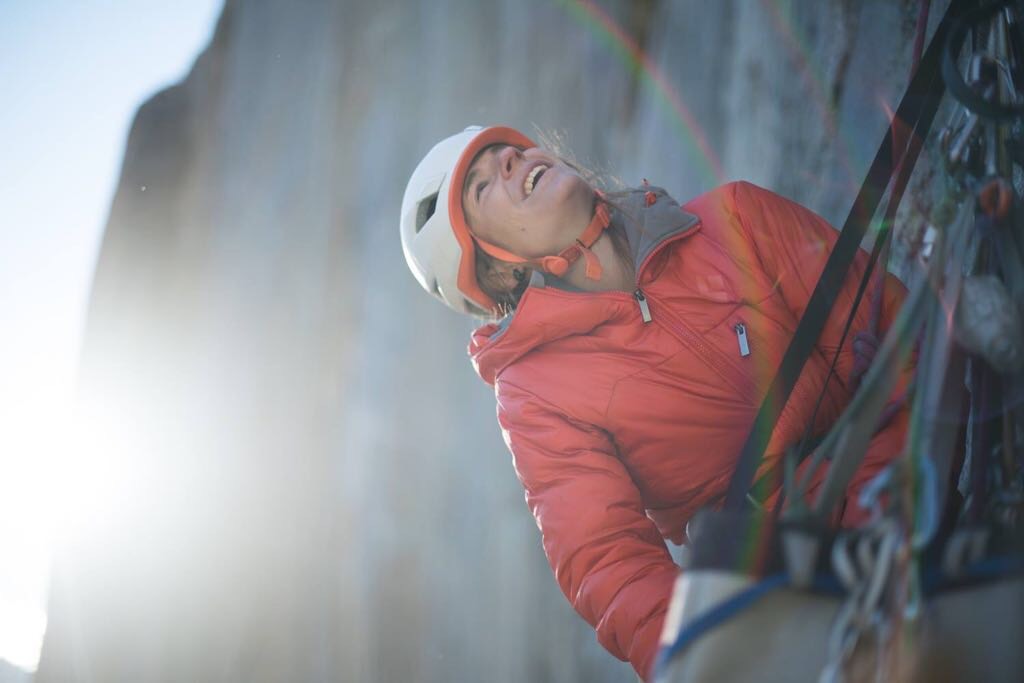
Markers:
(559, 265)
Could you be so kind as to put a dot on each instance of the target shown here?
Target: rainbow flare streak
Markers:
(639, 62)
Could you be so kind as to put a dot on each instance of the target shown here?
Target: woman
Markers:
(638, 340)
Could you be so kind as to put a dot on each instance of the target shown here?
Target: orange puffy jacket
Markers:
(625, 412)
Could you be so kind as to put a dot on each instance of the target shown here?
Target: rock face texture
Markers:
(312, 482)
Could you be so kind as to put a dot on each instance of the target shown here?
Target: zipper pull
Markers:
(645, 310)
(741, 337)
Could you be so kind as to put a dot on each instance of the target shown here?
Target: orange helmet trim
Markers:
(467, 261)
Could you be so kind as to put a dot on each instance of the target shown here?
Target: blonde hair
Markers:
(494, 285)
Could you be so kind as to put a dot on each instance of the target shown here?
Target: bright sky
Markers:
(72, 73)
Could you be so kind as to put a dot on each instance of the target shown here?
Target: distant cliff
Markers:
(319, 491)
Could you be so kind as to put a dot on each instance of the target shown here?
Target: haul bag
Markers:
(973, 633)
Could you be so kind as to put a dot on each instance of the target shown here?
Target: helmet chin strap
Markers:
(558, 265)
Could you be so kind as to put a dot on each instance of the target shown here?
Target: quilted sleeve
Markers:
(793, 243)
(607, 556)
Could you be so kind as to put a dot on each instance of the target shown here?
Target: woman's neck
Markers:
(616, 273)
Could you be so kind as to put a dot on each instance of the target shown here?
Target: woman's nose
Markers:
(507, 159)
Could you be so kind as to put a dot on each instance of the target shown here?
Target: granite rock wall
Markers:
(315, 488)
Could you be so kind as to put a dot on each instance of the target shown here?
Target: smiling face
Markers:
(529, 202)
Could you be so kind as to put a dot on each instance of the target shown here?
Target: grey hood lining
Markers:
(649, 226)
(646, 227)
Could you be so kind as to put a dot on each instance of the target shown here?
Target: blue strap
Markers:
(991, 569)
(719, 614)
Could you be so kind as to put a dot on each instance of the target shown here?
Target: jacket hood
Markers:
(552, 309)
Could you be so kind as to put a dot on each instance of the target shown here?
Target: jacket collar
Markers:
(651, 218)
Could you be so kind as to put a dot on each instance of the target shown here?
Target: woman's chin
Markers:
(569, 191)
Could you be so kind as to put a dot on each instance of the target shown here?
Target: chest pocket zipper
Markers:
(741, 338)
(645, 310)
(720, 361)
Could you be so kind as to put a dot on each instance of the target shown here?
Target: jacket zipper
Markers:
(741, 338)
(645, 310)
(693, 340)
(641, 298)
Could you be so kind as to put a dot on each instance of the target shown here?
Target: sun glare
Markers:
(56, 177)
(22, 627)
(65, 480)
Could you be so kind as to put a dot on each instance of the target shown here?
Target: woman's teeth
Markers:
(531, 178)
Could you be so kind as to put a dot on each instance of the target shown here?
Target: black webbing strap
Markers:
(918, 105)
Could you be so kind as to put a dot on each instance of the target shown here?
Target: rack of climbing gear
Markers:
(931, 587)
